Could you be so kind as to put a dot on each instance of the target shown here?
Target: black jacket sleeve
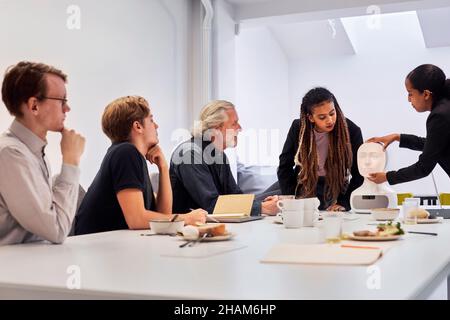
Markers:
(356, 140)
(412, 142)
(434, 146)
(287, 175)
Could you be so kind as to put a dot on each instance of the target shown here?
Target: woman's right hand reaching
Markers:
(386, 140)
(195, 216)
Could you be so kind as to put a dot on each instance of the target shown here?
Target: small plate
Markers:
(429, 221)
(387, 220)
(375, 238)
(278, 220)
(227, 236)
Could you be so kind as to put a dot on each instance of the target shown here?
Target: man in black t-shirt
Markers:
(121, 196)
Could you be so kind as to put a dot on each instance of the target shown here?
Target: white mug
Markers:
(309, 217)
(311, 203)
(310, 211)
(292, 219)
(290, 204)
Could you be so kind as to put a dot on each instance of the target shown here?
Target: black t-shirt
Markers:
(123, 167)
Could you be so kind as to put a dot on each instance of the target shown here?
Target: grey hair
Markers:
(213, 115)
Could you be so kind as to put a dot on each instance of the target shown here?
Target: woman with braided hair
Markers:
(317, 157)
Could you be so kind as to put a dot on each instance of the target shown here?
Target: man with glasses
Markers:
(33, 206)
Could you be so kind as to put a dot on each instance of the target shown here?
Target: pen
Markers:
(212, 219)
(428, 233)
(208, 217)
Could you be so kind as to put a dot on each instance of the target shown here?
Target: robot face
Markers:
(371, 158)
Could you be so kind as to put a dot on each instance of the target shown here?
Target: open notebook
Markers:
(234, 208)
(324, 254)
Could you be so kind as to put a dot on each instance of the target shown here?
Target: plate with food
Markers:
(207, 232)
(224, 237)
(385, 232)
(424, 217)
(430, 220)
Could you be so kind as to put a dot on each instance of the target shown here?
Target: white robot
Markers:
(372, 158)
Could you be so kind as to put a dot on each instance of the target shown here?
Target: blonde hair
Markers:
(213, 115)
(119, 116)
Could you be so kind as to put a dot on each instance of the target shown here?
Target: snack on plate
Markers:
(190, 233)
(214, 229)
(419, 213)
(383, 230)
(364, 233)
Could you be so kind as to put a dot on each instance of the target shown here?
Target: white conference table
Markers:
(125, 265)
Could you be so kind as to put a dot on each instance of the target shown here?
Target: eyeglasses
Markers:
(63, 100)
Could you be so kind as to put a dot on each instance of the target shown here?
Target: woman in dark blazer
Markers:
(428, 90)
(319, 155)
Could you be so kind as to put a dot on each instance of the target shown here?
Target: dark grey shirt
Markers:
(199, 173)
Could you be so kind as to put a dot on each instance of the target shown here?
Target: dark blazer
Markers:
(199, 173)
(288, 171)
(435, 147)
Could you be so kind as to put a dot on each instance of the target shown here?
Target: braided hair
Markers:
(339, 159)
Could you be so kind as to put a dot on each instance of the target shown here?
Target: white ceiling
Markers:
(311, 28)
(308, 39)
(260, 10)
(435, 24)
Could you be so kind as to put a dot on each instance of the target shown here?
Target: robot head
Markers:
(371, 158)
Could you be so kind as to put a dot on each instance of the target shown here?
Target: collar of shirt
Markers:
(32, 141)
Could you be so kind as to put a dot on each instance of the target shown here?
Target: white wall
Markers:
(224, 52)
(262, 96)
(124, 47)
(370, 85)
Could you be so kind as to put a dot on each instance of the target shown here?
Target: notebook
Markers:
(234, 208)
(321, 254)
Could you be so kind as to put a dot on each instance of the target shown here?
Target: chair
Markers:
(402, 196)
(444, 199)
(81, 194)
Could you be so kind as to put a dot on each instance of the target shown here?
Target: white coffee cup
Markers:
(310, 211)
(309, 207)
(290, 204)
(292, 219)
(311, 204)
(309, 217)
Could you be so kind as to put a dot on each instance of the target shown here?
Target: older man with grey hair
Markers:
(200, 170)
